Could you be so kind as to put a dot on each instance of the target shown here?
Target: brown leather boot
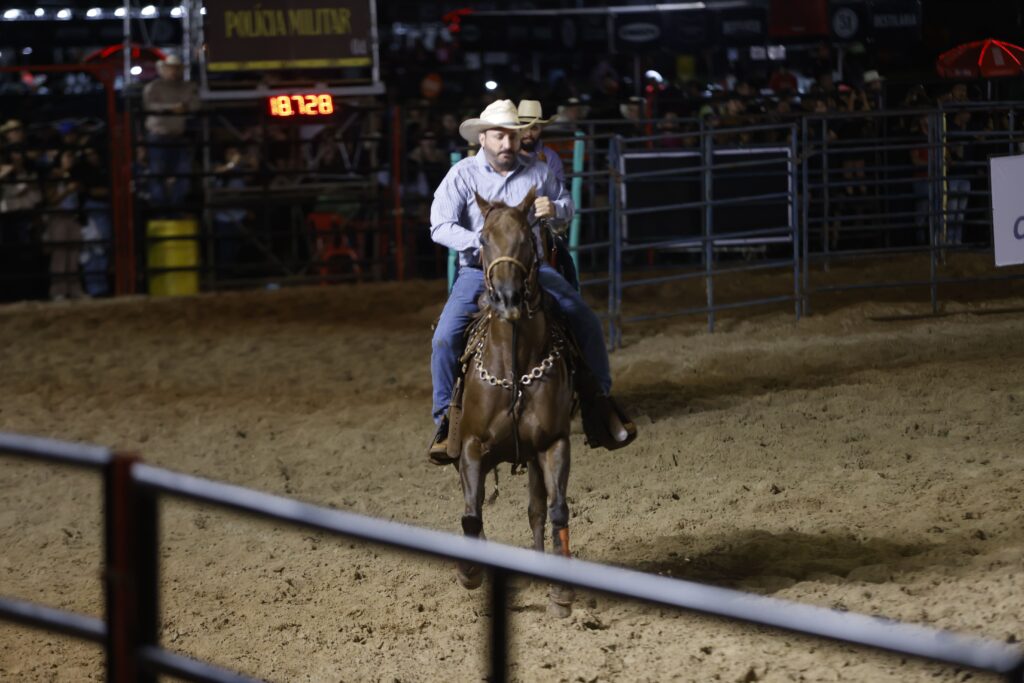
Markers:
(438, 452)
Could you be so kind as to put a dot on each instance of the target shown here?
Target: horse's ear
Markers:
(528, 200)
(482, 203)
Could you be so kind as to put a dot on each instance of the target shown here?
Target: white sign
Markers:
(845, 22)
(1007, 175)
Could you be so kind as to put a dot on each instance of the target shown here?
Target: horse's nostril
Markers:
(516, 298)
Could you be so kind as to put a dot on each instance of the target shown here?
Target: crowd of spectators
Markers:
(55, 205)
(54, 180)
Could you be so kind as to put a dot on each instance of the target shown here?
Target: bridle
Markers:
(531, 293)
(532, 298)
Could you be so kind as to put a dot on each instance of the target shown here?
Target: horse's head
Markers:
(509, 256)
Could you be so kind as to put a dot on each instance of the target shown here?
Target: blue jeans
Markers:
(169, 157)
(449, 343)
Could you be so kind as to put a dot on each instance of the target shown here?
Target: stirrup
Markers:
(438, 452)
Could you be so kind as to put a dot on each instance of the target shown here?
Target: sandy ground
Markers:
(848, 460)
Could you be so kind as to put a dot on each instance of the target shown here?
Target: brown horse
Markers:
(518, 393)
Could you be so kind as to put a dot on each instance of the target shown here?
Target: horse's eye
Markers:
(483, 242)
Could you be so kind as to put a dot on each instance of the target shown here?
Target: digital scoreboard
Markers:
(304, 106)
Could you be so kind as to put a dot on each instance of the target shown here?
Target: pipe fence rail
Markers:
(130, 631)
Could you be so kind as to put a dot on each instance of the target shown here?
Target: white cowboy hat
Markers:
(498, 114)
(871, 76)
(171, 60)
(11, 124)
(530, 113)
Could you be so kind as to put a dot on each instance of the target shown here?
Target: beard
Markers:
(528, 146)
(503, 161)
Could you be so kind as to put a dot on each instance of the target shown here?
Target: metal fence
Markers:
(665, 222)
(129, 632)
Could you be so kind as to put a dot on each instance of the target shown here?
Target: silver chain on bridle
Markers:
(536, 373)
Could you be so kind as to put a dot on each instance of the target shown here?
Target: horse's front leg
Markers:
(555, 465)
(538, 505)
(471, 471)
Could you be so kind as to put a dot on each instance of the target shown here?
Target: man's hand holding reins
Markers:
(544, 208)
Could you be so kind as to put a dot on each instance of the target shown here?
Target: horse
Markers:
(518, 389)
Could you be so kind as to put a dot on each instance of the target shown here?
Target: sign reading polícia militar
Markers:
(1007, 174)
(288, 34)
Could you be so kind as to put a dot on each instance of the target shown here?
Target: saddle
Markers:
(605, 424)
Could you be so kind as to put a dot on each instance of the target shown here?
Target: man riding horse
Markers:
(498, 174)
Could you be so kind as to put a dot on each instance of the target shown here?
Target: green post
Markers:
(455, 158)
(578, 148)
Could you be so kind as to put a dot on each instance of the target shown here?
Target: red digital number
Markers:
(284, 106)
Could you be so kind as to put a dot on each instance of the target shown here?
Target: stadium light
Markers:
(64, 14)
(491, 85)
(40, 12)
(176, 13)
(26, 51)
(202, 10)
(93, 12)
(119, 12)
(136, 70)
(149, 11)
(654, 76)
(12, 14)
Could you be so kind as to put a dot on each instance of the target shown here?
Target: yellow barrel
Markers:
(173, 253)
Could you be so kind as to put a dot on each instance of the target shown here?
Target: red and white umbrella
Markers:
(989, 58)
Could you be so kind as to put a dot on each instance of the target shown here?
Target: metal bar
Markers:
(54, 451)
(132, 590)
(616, 161)
(703, 309)
(850, 627)
(396, 189)
(577, 197)
(805, 303)
(794, 219)
(934, 197)
(158, 660)
(50, 619)
(499, 627)
(826, 208)
(709, 251)
(773, 198)
(694, 170)
(781, 234)
(697, 274)
(874, 285)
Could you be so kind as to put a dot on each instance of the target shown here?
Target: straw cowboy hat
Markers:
(170, 60)
(498, 114)
(872, 76)
(11, 124)
(530, 113)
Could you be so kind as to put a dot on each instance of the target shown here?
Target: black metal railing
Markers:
(130, 632)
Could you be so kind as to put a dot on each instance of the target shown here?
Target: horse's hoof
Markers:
(469, 577)
(560, 601)
(559, 611)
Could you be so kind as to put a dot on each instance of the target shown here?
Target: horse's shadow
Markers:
(764, 562)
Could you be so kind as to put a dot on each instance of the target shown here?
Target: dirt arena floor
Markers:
(862, 459)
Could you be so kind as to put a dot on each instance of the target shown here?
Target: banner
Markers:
(742, 26)
(896, 21)
(288, 34)
(1007, 209)
(512, 33)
